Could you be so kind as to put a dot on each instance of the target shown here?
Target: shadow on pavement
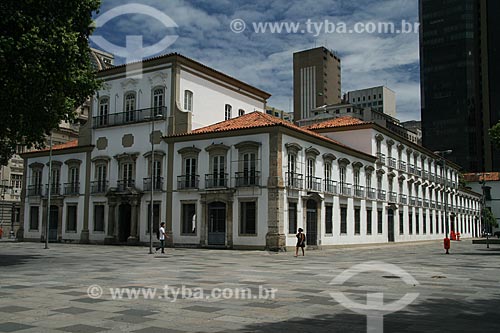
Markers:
(439, 315)
(16, 259)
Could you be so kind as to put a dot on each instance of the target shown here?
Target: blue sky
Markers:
(265, 60)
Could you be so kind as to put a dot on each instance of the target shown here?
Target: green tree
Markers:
(489, 218)
(45, 68)
(494, 134)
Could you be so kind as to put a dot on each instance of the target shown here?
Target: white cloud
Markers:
(265, 60)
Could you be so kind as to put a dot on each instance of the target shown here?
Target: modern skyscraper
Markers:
(460, 79)
(316, 80)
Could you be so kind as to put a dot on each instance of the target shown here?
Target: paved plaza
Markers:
(48, 290)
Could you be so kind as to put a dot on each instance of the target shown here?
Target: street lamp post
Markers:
(49, 191)
(151, 205)
(483, 204)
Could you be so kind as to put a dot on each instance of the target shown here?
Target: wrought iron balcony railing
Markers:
(247, 178)
(35, 190)
(381, 195)
(411, 168)
(403, 199)
(216, 180)
(294, 180)
(330, 186)
(72, 188)
(158, 184)
(413, 201)
(402, 166)
(99, 186)
(128, 117)
(188, 182)
(371, 193)
(345, 189)
(313, 184)
(393, 197)
(124, 184)
(392, 162)
(55, 189)
(359, 191)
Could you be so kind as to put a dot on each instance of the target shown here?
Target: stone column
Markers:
(110, 236)
(85, 234)
(44, 220)
(275, 237)
(203, 223)
(229, 224)
(133, 223)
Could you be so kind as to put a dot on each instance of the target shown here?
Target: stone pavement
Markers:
(47, 290)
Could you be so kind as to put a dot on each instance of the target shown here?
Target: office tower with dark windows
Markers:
(316, 80)
(460, 79)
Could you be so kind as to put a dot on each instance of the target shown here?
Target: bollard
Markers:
(458, 236)
(447, 245)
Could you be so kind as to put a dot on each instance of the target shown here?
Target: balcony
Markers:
(188, 182)
(432, 177)
(402, 166)
(381, 195)
(371, 193)
(380, 158)
(393, 197)
(413, 201)
(433, 204)
(419, 202)
(55, 189)
(418, 171)
(359, 191)
(99, 186)
(426, 203)
(126, 118)
(247, 178)
(411, 168)
(216, 180)
(313, 184)
(425, 175)
(438, 205)
(34, 190)
(123, 184)
(330, 186)
(403, 199)
(158, 184)
(392, 162)
(294, 180)
(345, 189)
(72, 188)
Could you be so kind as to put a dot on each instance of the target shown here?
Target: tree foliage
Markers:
(489, 218)
(494, 134)
(45, 68)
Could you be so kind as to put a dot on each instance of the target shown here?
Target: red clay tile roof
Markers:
(479, 176)
(67, 145)
(336, 122)
(258, 119)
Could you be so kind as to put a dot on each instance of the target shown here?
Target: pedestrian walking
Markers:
(301, 242)
(162, 236)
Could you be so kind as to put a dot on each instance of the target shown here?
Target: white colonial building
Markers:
(226, 176)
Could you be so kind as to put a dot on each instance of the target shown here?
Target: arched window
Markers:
(103, 111)
(158, 101)
(228, 110)
(188, 100)
(130, 107)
